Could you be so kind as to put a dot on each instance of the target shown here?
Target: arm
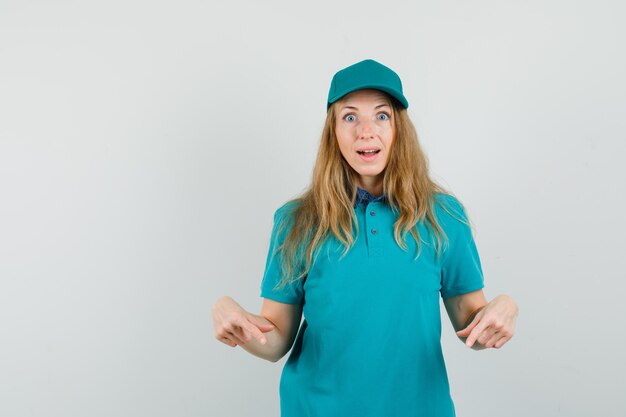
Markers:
(462, 309)
(485, 324)
(286, 320)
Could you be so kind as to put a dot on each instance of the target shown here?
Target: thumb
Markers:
(466, 331)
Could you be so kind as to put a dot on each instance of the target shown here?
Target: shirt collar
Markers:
(364, 197)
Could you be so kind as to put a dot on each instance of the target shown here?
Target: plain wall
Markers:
(144, 147)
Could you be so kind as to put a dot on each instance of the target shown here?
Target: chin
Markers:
(369, 172)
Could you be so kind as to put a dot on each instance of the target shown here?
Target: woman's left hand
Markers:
(493, 325)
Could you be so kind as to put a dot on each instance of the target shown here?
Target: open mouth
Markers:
(369, 152)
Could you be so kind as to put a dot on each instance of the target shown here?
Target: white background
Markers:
(144, 147)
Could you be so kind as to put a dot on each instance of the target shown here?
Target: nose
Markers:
(366, 129)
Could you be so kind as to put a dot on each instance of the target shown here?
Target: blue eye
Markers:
(386, 116)
(348, 116)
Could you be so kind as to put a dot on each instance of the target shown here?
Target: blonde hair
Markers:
(327, 206)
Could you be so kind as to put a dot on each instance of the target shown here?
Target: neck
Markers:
(373, 187)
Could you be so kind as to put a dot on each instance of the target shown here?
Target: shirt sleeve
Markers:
(461, 271)
(293, 292)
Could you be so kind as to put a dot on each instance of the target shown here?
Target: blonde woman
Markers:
(365, 253)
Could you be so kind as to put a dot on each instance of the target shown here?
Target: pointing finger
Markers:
(252, 331)
(486, 334)
(264, 327)
(476, 332)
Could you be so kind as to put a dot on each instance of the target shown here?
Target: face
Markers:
(365, 122)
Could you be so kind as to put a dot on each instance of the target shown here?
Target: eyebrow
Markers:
(355, 108)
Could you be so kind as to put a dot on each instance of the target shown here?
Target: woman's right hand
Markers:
(235, 326)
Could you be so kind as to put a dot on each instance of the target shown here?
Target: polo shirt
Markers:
(370, 341)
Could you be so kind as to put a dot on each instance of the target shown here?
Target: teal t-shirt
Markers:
(370, 341)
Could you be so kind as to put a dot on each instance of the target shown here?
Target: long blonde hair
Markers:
(327, 206)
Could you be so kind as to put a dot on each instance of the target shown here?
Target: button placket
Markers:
(374, 248)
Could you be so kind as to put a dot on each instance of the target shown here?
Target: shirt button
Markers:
(372, 213)
(374, 231)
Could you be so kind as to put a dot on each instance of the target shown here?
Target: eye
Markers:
(384, 115)
(349, 118)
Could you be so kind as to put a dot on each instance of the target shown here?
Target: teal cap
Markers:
(366, 74)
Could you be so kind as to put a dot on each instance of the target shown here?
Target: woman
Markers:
(369, 344)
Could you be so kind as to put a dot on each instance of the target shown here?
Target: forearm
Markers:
(274, 348)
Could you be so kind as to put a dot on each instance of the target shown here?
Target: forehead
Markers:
(364, 97)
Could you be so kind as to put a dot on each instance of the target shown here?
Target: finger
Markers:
(501, 342)
(236, 337)
(486, 334)
(466, 331)
(235, 331)
(226, 340)
(475, 333)
(265, 327)
(493, 339)
(250, 330)
(262, 328)
(241, 333)
(246, 332)
(230, 342)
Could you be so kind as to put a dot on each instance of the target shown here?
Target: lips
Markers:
(369, 156)
(368, 151)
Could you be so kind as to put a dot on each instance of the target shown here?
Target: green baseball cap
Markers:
(366, 74)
